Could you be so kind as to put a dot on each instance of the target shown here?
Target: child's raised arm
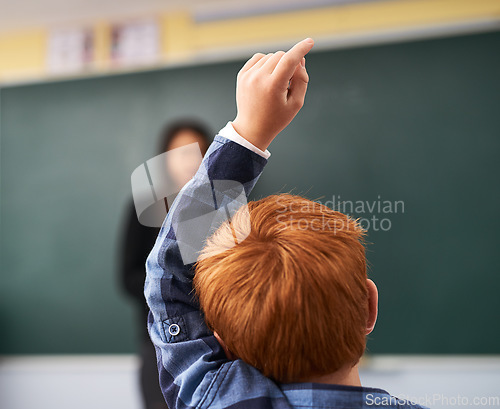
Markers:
(193, 369)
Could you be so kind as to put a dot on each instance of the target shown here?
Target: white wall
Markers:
(69, 382)
(437, 381)
(104, 382)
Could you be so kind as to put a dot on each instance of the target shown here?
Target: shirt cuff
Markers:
(228, 132)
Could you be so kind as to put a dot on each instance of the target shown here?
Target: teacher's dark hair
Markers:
(170, 131)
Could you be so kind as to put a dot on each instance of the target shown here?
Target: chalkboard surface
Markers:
(405, 136)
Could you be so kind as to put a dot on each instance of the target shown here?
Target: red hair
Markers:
(291, 299)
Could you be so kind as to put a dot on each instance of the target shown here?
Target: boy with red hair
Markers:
(281, 281)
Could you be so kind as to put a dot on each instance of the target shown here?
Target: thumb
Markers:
(298, 86)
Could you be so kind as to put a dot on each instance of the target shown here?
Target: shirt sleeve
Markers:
(189, 358)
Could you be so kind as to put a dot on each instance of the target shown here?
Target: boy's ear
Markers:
(372, 306)
(229, 354)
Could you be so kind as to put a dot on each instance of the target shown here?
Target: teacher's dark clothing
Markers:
(136, 244)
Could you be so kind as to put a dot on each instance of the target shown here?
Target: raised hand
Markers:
(270, 91)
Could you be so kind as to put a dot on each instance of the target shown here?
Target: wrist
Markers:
(257, 138)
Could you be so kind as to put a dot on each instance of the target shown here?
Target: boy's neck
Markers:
(346, 376)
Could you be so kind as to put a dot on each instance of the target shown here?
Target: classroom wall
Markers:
(190, 36)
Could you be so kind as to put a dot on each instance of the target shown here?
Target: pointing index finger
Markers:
(286, 66)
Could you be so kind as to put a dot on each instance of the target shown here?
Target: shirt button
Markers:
(174, 330)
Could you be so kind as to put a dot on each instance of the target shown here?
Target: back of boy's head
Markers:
(291, 299)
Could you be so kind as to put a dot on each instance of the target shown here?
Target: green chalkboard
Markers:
(407, 133)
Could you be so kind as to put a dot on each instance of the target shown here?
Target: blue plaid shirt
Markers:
(193, 369)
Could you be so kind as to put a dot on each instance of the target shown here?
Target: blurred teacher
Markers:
(138, 240)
